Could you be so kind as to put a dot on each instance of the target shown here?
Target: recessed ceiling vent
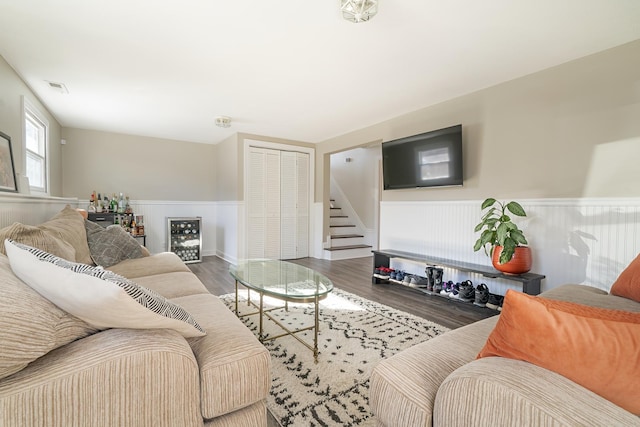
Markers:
(58, 87)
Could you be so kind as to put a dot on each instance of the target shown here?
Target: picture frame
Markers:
(8, 180)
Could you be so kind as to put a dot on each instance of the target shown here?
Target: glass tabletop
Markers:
(281, 279)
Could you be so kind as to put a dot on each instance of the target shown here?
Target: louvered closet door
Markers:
(302, 205)
(294, 175)
(272, 203)
(263, 204)
(278, 204)
(288, 185)
(256, 212)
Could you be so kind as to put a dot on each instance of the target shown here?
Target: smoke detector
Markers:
(59, 87)
(223, 121)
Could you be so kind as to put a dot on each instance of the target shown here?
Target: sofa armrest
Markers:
(495, 391)
(403, 388)
(115, 377)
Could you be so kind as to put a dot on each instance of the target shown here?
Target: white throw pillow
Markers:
(100, 297)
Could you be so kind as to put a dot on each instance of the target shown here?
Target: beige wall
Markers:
(12, 89)
(569, 131)
(358, 180)
(144, 168)
(228, 171)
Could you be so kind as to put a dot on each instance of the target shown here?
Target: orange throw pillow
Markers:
(628, 283)
(594, 347)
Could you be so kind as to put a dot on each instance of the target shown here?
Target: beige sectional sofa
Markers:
(57, 370)
(441, 383)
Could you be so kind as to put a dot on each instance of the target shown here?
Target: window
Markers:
(36, 141)
(434, 164)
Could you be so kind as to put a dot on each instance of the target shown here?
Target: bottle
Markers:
(134, 230)
(92, 204)
(121, 204)
(113, 207)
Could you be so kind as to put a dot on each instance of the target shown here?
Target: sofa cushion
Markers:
(594, 297)
(100, 297)
(403, 387)
(68, 225)
(165, 262)
(234, 366)
(628, 283)
(111, 245)
(30, 325)
(174, 284)
(38, 238)
(594, 347)
(494, 391)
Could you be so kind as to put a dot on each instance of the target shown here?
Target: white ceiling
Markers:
(286, 68)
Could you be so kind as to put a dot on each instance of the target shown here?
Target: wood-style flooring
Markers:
(354, 275)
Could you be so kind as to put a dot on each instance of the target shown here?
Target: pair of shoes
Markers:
(397, 275)
(383, 272)
(454, 292)
(418, 282)
(437, 288)
(437, 280)
(482, 295)
(429, 271)
(445, 289)
(495, 302)
(407, 280)
(467, 293)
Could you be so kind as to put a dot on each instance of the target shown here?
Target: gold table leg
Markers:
(261, 313)
(315, 332)
(236, 297)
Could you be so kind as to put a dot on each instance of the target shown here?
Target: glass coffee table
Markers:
(284, 281)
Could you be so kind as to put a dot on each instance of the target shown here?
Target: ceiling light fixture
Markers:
(223, 121)
(358, 10)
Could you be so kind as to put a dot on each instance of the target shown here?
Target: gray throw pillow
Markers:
(109, 246)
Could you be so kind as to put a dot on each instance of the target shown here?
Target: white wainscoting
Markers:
(222, 222)
(588, 241)
(30, 209)
(156, 213)
(230, 231)
(583, 241)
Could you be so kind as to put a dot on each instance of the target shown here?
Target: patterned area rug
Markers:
(355, 334)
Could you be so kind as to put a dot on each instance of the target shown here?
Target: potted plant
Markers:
(501, 238)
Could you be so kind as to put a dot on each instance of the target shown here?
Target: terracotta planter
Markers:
(520, 263)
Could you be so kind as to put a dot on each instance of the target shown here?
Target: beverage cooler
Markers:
(184, 237)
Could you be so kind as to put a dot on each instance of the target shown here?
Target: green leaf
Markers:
(488, 236)
(477, 246)
(505, 256)
(501, 233)
(488, 202)
(518, 236)
(491, 222)
(478, 227)
(510, 245)
(489, 214)
(508, 249)
(505, 218)
(516, 209)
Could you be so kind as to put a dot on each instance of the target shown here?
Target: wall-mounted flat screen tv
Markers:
(431, 159)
